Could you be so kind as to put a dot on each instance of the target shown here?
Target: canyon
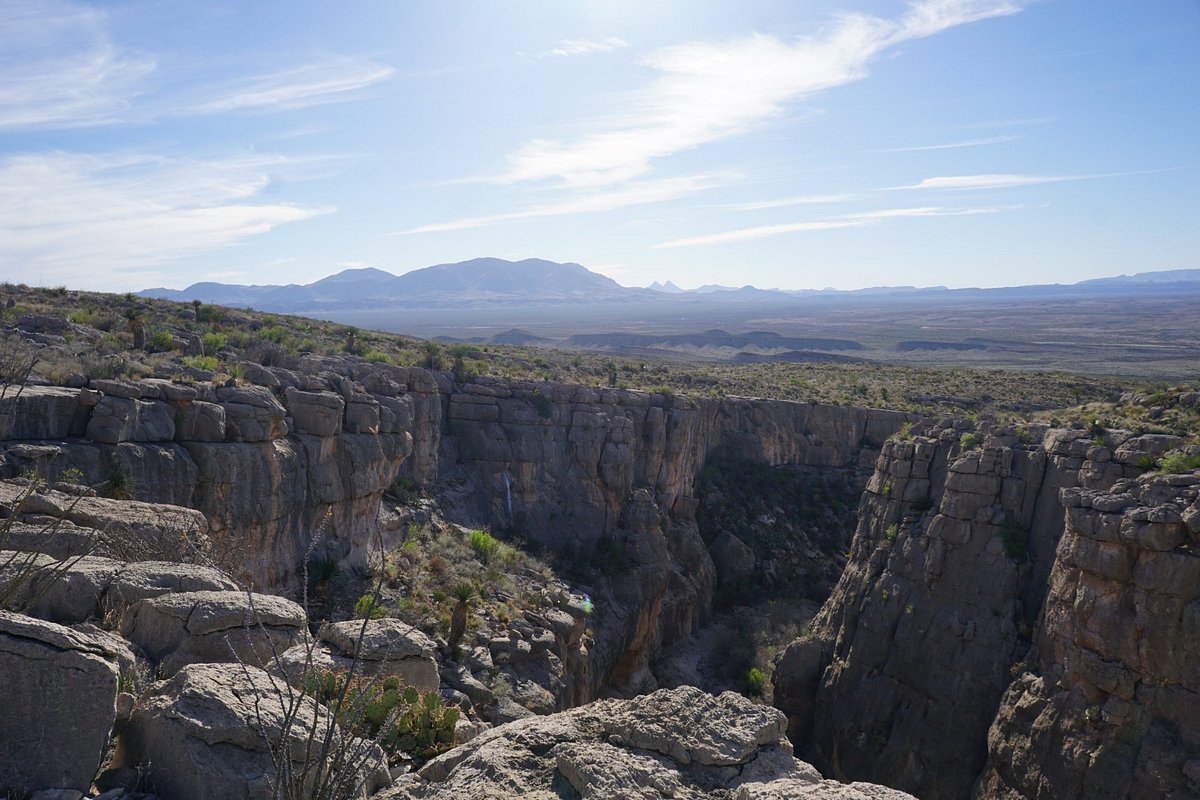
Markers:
(1017, 616)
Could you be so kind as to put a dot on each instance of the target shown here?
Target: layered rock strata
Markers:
(959, 531)
(1107, 704)
(576, 468)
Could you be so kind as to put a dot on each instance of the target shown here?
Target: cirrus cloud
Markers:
(706, 92)
(64, 214)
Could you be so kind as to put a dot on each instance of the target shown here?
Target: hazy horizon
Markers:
(843, 144)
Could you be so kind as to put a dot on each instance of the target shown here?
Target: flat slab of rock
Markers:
(120, 521)
(185, 628)
(678, 743)
(58, 704)
(86, 588)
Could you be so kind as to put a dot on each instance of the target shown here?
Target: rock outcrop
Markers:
(679, 743)
(1107, 705)
(57, 708)
(183, 628)
(945, 594)
(219, 730)
(384, 647)
(575, 468)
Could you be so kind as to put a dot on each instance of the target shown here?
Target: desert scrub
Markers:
(487, 547)
(968, 441)
(399, 718)
(1179, 462)
(369, 607)
(755, 682)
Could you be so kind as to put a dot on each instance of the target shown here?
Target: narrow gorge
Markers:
(1017, 616)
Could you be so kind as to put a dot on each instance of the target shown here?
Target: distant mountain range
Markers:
(491, 282)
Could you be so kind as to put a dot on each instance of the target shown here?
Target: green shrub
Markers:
(207, 363)
(378, 357)
(1179, 462)
(486, 546)
(756, 682)
(400, 719)
(72, 475)
(214, 342)
(968, 441)
(276, 334)
(119, 484)
(160, 342)
(889, 536)
(369, 607)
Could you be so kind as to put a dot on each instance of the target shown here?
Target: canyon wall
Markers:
(591, 473)
(907, 666)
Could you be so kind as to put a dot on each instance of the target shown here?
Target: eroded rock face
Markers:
(210, 731)
(57, 707)
(577, 468)
(1108, 705)
(678, 743)
(943, 597)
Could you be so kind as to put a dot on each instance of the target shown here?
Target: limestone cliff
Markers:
(1108, 702)
(599, 473)
(908, 661)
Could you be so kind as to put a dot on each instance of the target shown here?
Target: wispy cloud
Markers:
(950, 145)
(706, 92)
(636, 193)
(762, 232)
(856, 220)
(784, 202)
(585, 47)
(991, 181)
(84, 219)
(929, 211)
(327, 81)
(61, 69)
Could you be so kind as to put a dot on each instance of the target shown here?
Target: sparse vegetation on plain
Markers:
(103, 345)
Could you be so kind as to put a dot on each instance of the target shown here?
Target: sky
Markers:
(843, 143)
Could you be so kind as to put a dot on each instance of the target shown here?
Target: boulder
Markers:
(733, 558)
(389, 648)
(78, 589)
(122, 419)
(218, 730)
(192, 627)
(38, 412)
(142, 579)
(58, 704)
(681, 743)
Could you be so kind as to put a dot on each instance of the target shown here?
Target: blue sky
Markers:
(797, 145)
